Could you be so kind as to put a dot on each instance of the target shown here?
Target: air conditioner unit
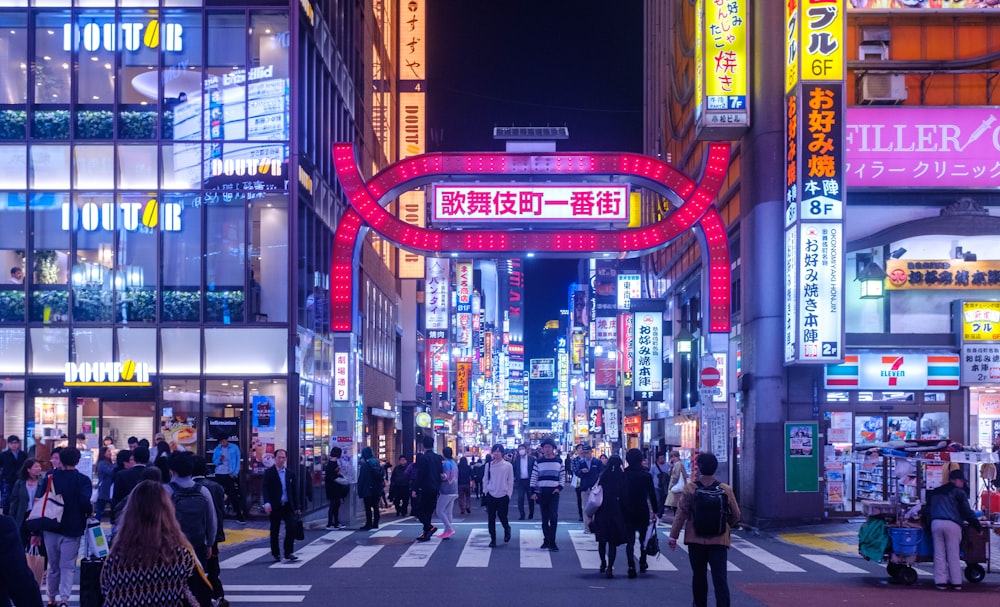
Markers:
(883, 88)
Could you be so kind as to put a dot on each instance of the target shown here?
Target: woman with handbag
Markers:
(22, 495)
(678, 478)
(639, 507)
(609, 520)
(150, 561)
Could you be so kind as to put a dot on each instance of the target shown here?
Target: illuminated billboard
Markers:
(723, 61)
(513, 203)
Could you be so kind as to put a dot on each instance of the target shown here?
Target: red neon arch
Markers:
(365, 208)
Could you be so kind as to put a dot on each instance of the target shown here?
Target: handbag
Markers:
(652, 544)
(36, 562)
(298, 529)
(594, 501)
(90, 582)
(198, 592)
(46, 513)
(678, 487)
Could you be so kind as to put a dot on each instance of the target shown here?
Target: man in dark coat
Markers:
(524, 463)
(11, 460)
(281, 503)
(426, 487)
(128, 478)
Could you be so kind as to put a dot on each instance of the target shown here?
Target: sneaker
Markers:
(432, 531)
(544, 546)
(241, 521)
(330, 527)
(338, 526)
(553, 547)
(954, 586)
(447, 534)
(277, 559)
(941, 586)
(291, 558)
(493, 543)
(423, 537)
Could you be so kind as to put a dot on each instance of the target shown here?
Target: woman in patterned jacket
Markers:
(150, 560)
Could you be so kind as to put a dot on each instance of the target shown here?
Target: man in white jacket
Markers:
(498, 485)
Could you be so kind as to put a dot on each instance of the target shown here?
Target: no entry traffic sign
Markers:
(710, 377)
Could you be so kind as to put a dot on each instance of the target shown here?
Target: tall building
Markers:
(167, 191)
(857, 174)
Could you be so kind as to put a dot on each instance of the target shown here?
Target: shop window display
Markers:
(13, 220)
(92, 273)
(49, 260)
(180, 414)
(181, 291)
(13, 70)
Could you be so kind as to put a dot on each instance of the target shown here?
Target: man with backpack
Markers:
(193, 504)
(212, 568)
(706, 511)
(370, 487)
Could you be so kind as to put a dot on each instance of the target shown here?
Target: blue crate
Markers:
(905, 540)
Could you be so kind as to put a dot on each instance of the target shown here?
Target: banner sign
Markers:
(463, 377)
(815, 33)
(436, 293)
(908, 6)
(412, 118)
(512, 203)
(894, 371)
(980, 321)
(341, 370)
(980, 364)
(922, 147)
(648, 357)
(723, 60)
(952, 274)
(801, 457)
(542, 368)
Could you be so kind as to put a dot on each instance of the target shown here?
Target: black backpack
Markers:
(192, 513)
(376, 481)
(663, 478)
(710, 510)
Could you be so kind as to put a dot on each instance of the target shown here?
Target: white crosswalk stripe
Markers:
(772, 562)
(249, 593)
(477, 551)
(833, 564)
(360, 555)
(419, 553)
(469, 548)
(314, 549)
(533, 557)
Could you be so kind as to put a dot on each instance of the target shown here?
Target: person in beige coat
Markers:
(705, 551)
(677, 472)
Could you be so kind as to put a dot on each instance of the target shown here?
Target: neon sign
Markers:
(534, 203)
(125, 373)
(131, 216)
(129, 36)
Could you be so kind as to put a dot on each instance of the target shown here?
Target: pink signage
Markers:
(531, 203)
(925, 147)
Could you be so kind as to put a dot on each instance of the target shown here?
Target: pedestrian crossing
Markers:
(246, 593)
(395, 546)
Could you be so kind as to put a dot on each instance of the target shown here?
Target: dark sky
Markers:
(573, 63)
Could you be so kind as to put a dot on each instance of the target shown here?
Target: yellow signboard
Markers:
(954, 274)
(412, 119)
(821, 46)
(726, 44)
(981, 320)
(463, 375)
(791, 45)
(699, 58)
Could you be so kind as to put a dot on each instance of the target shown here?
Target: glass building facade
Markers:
(165, 267)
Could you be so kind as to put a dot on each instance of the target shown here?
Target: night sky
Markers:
(573, 63)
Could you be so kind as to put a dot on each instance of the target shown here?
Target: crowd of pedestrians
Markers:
(166, 524)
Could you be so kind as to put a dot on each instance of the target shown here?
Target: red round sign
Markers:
(710, 377)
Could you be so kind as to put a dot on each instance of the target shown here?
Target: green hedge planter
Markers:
(57, 302)
(12, 306)
(12, 124)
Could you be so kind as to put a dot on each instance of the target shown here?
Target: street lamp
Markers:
(871, 276)
(684, 341)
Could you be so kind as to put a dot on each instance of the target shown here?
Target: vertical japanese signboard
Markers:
(412, 118)
(814, 178)
(341, 370)
(463, 375)
(463, 309)
(723, 62)
(648, 358)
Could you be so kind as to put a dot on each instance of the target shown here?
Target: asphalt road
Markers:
(351, 567)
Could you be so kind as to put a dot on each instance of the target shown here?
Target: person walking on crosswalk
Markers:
(497, 489)
(546, 485)
(426, 487)
(706, 511)
(608, 523)
(640, 507)
(449, 492)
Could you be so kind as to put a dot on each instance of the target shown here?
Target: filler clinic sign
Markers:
(723, 61)
(531, 203)
(932, 147)
(814, 180)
